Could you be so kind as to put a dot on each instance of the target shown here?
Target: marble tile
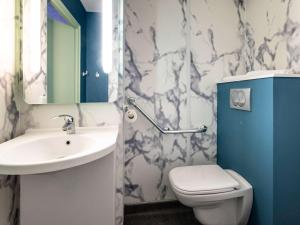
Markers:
(155, 64)
(175, 52)
(9, 115)
(216, 48)
(273, 31)
(9, 125)
(9, 200)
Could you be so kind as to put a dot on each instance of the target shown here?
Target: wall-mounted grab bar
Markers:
(131, 101)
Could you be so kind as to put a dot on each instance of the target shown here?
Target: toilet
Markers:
(217, 196)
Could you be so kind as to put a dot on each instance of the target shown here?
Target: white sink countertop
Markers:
(48, 150)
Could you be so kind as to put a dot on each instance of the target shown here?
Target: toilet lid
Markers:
(204, 179)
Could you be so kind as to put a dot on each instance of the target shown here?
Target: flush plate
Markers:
(240, 99)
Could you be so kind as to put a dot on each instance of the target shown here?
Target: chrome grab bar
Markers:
(131, 101)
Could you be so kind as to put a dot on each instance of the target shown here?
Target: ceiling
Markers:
(92, 5)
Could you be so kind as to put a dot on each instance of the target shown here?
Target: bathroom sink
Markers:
(48, 150)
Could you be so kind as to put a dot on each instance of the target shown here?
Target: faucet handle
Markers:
(67, 118)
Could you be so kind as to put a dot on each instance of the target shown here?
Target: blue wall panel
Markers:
(264, 146)
(245, 143)
(287, 151)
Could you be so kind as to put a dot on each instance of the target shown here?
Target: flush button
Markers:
(240, 99)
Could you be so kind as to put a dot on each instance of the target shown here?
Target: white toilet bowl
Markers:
(217, 196)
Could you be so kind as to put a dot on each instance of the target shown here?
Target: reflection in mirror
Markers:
(65, 49)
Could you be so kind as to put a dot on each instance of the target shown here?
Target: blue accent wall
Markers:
(264, 146)
(97, 87)
(245, 143)
(287, 151)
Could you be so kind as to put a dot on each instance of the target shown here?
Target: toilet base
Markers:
(217, 213)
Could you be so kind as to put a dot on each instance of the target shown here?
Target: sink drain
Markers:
(68, 142)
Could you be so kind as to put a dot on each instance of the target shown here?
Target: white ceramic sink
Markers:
(41, 151)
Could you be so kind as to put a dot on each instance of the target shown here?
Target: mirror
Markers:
(64, 61)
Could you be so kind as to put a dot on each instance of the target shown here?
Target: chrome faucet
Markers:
(69, 125)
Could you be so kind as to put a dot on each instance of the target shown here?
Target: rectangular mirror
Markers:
(63, 54)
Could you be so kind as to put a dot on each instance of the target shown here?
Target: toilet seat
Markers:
(217, 196)
(202, 180)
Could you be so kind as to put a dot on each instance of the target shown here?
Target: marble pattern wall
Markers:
(216, 51)
(175, 52)
(273, 29)
(155, 64)
(9, 115)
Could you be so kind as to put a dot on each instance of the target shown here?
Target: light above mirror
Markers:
(7, 35)
(107, 38)
(35, 34)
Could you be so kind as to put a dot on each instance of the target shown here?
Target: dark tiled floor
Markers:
(169, 213)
